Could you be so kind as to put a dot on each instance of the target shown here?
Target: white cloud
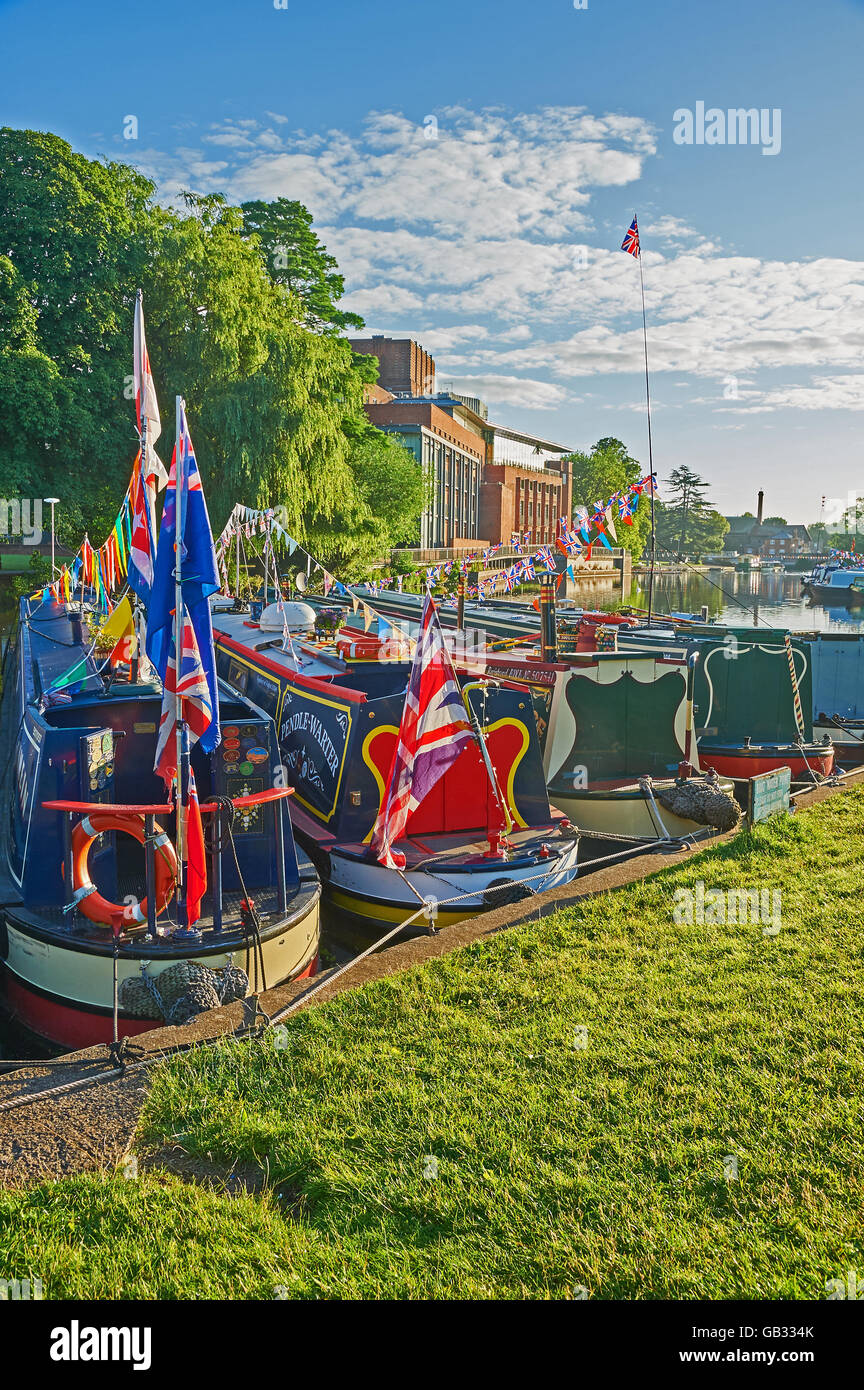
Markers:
(511, 390)
(481, 243)
(824, 393)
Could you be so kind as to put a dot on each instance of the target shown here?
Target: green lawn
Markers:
(444, 1133)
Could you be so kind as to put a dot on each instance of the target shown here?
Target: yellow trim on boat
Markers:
(397, 912)
(373, 733)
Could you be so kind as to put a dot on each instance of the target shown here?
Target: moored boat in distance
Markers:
(76, 890)
(836, 585)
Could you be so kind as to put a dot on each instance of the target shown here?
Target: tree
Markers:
(295, 258)
(605, 469)
(775, 521)
(685, 502)
(379, 511)
(73, 256)
(274, 397)
(706, 529)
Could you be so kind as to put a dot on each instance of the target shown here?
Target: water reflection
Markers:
(769, 599)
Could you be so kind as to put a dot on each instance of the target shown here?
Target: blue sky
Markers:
(495, 243)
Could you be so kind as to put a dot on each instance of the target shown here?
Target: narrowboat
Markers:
(835, 584)
(837, 664)
(337, 724)
(615, 730)
(751, 716)
(87, 859)
(621, 757)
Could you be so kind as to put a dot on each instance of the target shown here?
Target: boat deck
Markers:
(305, 660)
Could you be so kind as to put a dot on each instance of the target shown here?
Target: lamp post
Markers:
(52, 502)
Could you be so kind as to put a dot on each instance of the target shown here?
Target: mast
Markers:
(237, 566)
(150, 514)
(179, 483)
(650, 449)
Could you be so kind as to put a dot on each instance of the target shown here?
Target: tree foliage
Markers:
(274, 396)
(686, 522)
(295, 258)
(606, 468)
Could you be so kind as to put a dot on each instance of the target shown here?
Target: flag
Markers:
(119, 629)
(200, 579)
(198, 708)
(196, 859)
(73, 676)
(146, 405)
(142, 543)
(433, 732)
(631, 239)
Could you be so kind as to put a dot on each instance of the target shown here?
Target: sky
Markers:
(473, 166)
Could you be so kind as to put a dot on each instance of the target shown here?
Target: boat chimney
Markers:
(759, 507)
(548, 632)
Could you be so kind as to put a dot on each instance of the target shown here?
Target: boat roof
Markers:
(842, 578)
(304, 658)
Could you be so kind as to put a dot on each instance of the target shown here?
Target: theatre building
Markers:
(488, 480)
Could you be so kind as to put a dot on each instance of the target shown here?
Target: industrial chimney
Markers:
(759, 508)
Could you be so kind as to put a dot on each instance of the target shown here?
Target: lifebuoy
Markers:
(89, 901)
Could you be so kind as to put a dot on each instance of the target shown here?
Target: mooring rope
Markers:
(796, 698)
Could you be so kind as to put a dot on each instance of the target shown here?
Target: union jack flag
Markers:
(569, 543)
(545, 556)
(432, 733)
(196, 705)
(631, 239)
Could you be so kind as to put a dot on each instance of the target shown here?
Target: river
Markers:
(748, 599)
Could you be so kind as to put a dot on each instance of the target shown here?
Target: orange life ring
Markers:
(89, 901)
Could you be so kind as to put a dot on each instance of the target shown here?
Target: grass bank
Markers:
(561, 1107)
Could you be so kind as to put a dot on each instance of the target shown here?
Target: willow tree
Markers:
(274, 396)
(74, 249)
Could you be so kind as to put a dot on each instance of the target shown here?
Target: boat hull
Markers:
(835, 595)
(64, 994)
(848, 743)
(741, 763)
(625, 811)
(378, 899)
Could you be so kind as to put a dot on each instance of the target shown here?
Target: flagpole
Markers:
(179, 485)
(650, 448)
(142, 483)
(237, 566)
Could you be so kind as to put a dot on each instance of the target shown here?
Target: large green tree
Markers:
(274, 396)
(606, 468)
(379, 511)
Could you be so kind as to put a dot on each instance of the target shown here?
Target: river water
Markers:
(742, 600)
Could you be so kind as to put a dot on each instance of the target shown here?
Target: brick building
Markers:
(450, 454)
(404, 367)
(488, 480)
